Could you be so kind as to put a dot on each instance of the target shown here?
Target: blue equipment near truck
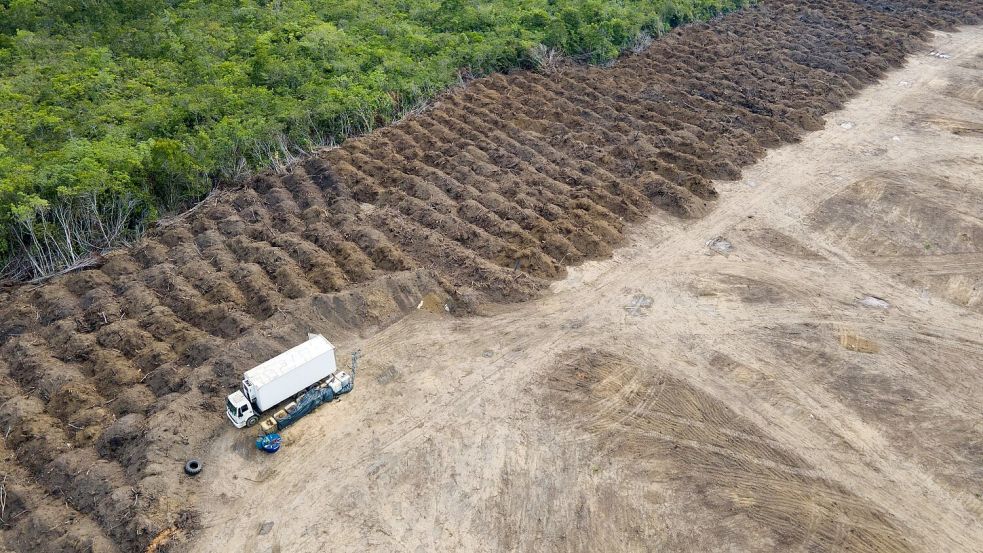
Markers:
(269, 443)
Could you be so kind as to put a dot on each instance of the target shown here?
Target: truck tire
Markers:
(192, 467)
(252, 421)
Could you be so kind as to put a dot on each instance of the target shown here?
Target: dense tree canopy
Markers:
(149, 102)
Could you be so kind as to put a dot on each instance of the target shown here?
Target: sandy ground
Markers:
(809, 382)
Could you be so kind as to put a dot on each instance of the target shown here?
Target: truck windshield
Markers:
(230, 407)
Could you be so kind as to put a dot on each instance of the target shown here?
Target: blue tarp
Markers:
(308, 402)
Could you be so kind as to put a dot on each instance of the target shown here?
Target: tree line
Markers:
(114, 112)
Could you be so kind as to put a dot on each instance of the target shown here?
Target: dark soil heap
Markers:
(110, 378)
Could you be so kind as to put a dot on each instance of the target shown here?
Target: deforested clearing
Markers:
(601, 377)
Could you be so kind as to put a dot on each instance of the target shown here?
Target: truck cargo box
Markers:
(289, 373)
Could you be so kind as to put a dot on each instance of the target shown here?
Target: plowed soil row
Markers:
(111, 377)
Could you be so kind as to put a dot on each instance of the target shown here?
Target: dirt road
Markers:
(807, 381)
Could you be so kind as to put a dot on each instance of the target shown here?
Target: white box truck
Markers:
(287, 375)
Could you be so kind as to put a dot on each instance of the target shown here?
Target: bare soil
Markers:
(796, 371)
(671, 397)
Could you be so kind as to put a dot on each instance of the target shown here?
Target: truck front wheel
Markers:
(252, 421)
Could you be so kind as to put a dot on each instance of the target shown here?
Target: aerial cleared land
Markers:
(115, 111)
(750, 307)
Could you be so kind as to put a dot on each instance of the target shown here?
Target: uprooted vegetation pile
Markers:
(110, 378)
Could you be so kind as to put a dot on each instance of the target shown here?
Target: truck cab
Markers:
(240, 410)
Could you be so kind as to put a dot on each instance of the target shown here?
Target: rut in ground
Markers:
(111, 377)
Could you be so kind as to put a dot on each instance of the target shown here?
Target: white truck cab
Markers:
(286, 375)
(239, 410)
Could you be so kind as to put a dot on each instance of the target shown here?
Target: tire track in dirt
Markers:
(484, 197)
(685, 437)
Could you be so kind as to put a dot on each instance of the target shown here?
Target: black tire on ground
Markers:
(192, 467)
(252, 421)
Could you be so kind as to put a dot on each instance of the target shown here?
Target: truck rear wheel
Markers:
(252, 421)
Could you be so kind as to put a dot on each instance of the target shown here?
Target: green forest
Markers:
(114, 112)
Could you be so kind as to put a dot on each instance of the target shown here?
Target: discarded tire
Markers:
(192, 467)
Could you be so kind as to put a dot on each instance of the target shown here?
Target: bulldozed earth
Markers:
(726, 293)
